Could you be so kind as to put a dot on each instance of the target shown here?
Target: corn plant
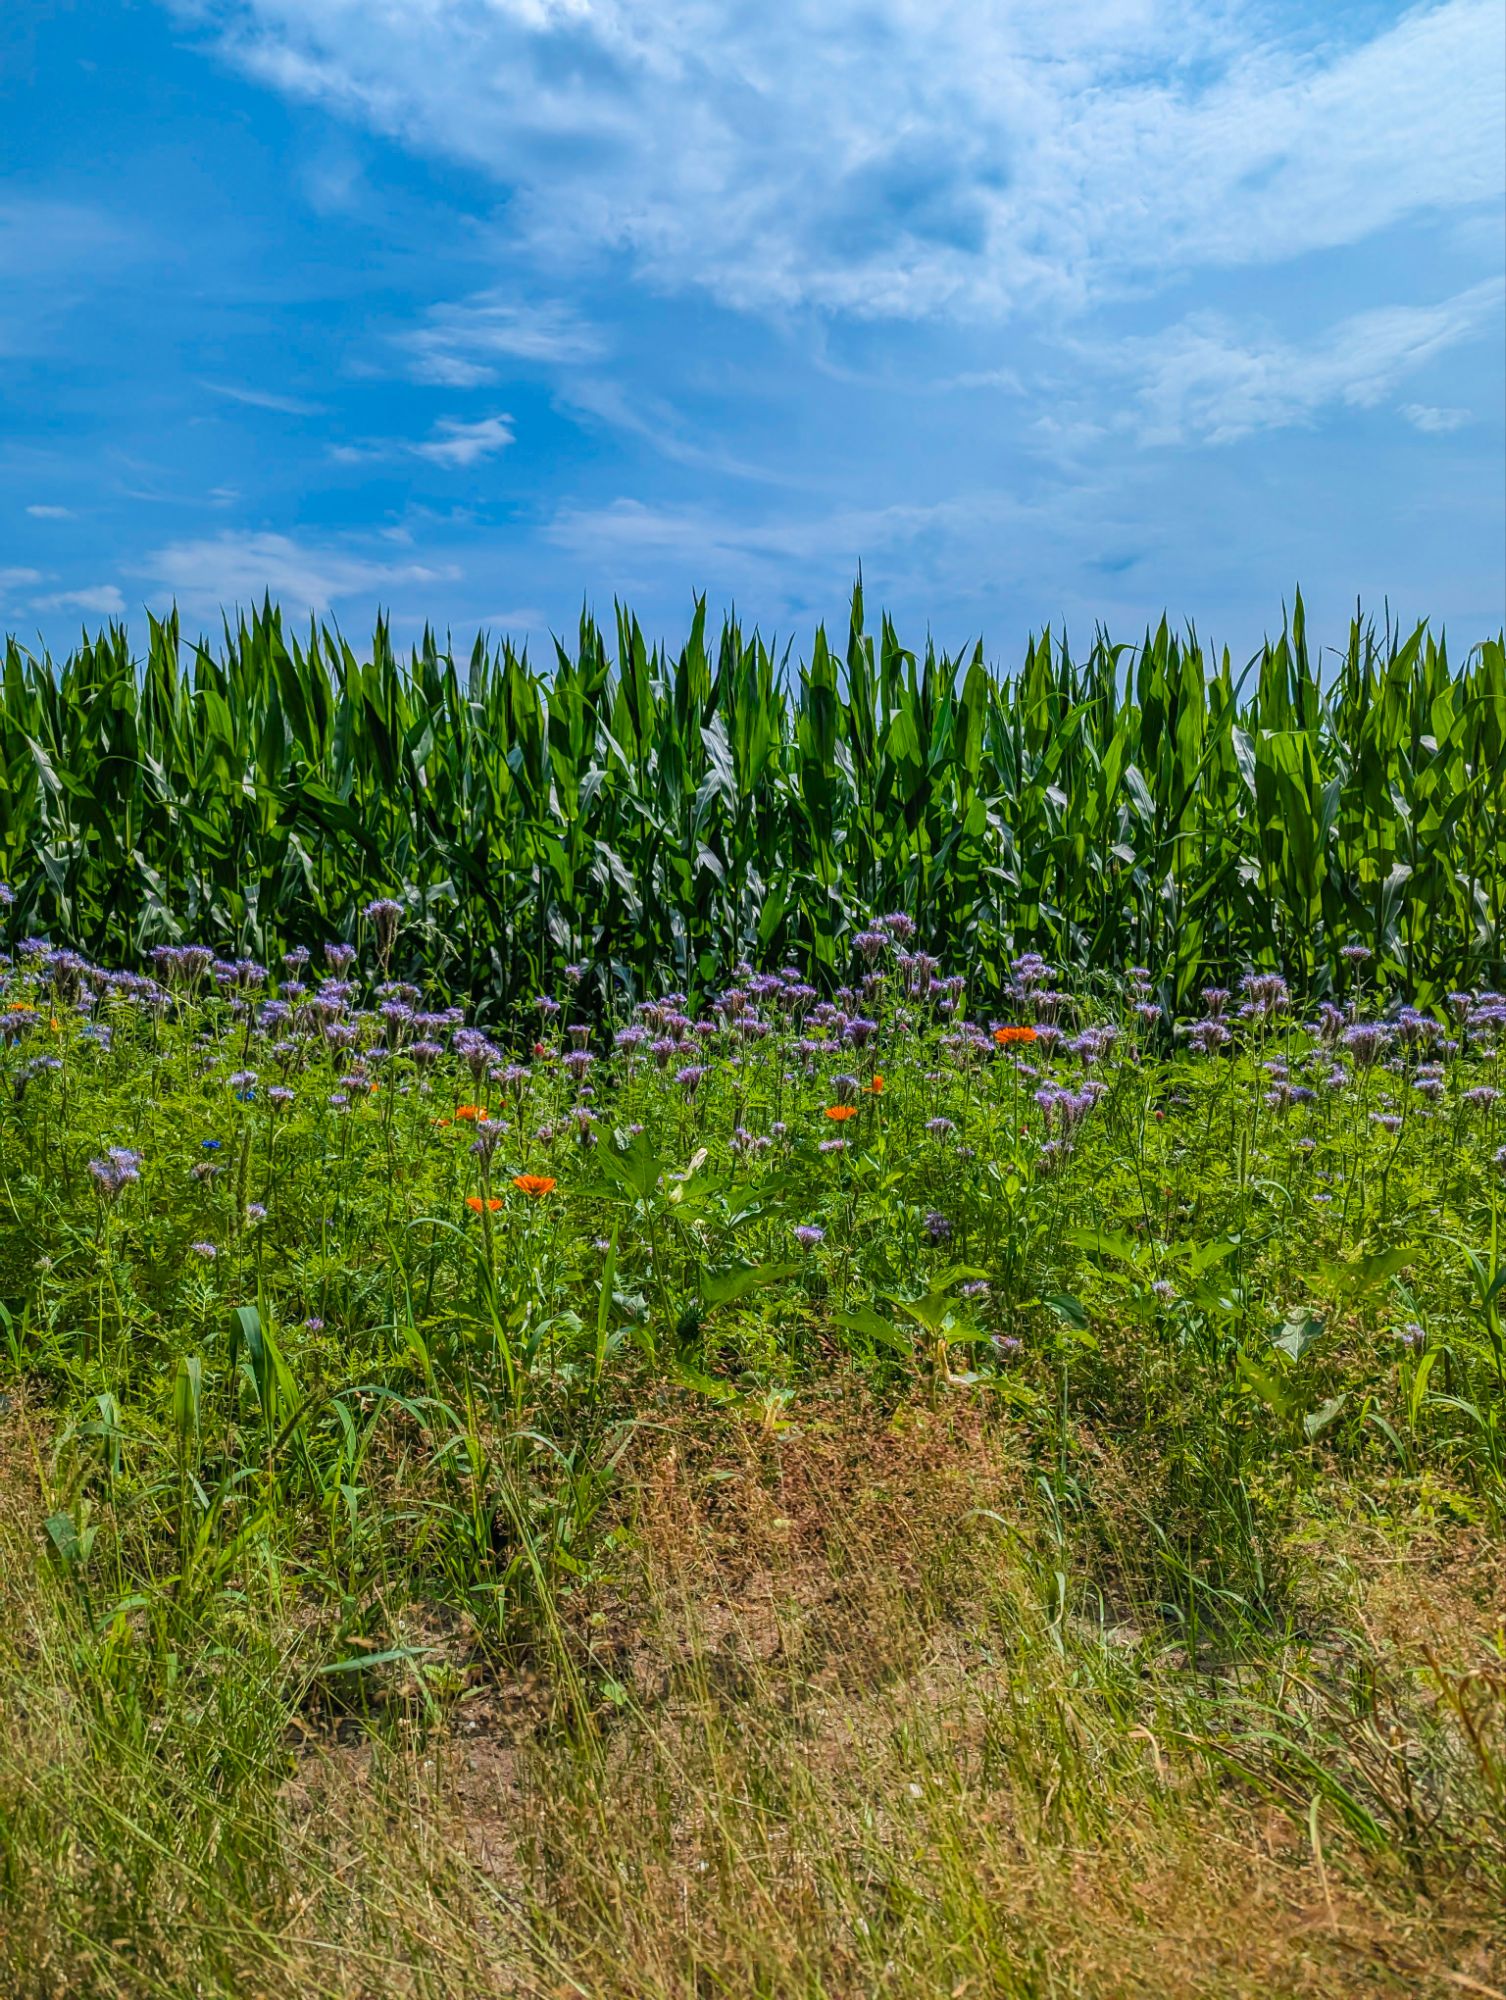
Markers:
(664, 817)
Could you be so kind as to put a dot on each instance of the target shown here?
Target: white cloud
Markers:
(1203, 378)
(42, 512)
(102, 599)
(701, 539)
(641, 414)
(239, 568)
(453, 444)
(262, 399)
(460, 342)
(901, 157)
(18, 579)
(1428, 417)
(458, 445)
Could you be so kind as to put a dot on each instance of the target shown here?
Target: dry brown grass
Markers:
(838, 1743)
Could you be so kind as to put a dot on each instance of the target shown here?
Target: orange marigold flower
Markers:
(841, 1111)
(1005, 1036)
(470, 1112)
(533, 1184)
(441, 1122)
(876, 1087)
(475, 1204)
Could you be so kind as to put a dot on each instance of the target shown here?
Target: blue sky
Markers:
(474, 309)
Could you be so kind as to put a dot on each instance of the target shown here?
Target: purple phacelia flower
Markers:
(115, 1171)
(1266, 995)
(384, 916)
(475, 1051)
(1366, 1042)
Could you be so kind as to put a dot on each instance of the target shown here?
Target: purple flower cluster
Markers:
(116, 1171)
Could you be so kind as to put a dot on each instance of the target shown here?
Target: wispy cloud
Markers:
(892, 158)
(462, 342)
(42, 511)
(231, 568)
(453, 443)
(704, 538)
(1205, 378)
(1428, 417)
(457, 445)
(643, 414)
(52, 254)
(263, 399)
(42, 237)
(102, 600)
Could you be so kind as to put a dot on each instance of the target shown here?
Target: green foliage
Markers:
(665, 817)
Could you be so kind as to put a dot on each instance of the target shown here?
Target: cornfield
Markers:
(663, 818)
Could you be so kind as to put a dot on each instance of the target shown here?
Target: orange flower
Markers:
(470, 1112)
(441, 1122)
(839, 1112)
(533, 1184)
(1005, 1036)
(20, 1007)
(474, 1203)
(876, 1088)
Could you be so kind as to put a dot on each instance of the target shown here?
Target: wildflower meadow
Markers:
(744, 1488)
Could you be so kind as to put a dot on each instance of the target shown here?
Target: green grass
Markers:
(1038, 1534)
